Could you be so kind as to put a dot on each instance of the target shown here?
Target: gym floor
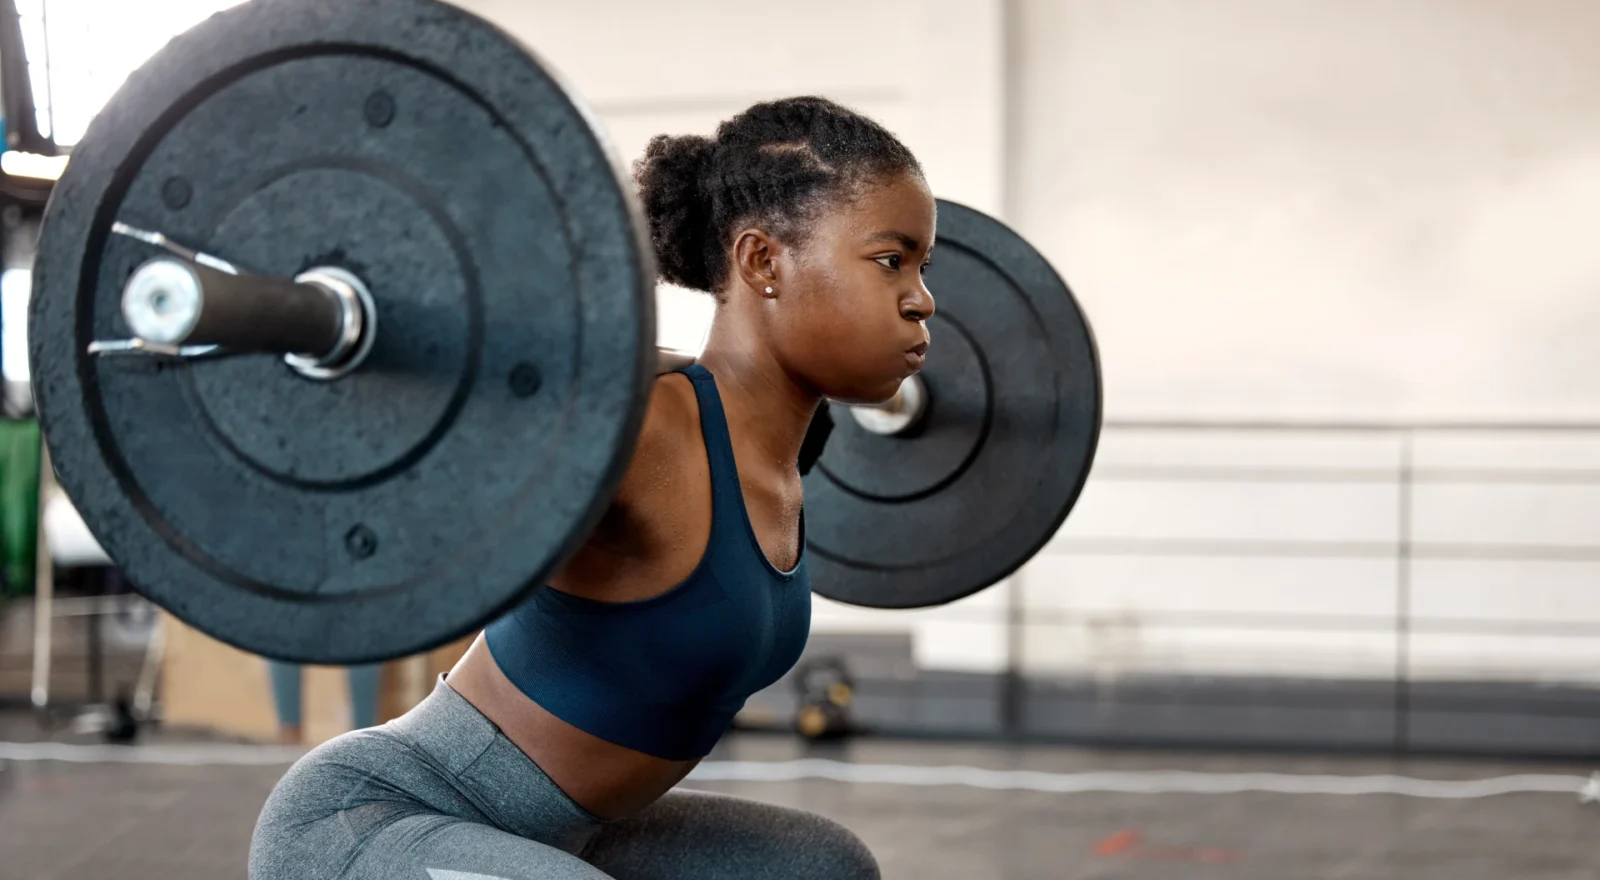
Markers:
(136, 813)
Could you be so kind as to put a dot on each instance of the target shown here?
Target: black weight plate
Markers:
(414, 500)
(1013, 382)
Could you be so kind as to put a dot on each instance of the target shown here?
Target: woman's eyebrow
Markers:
(891, 236)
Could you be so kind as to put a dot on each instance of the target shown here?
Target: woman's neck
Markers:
(770, 408)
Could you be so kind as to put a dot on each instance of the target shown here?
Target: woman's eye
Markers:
(925, 267)
(891, 262)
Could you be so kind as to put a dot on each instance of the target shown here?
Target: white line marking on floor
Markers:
(1123, 782)
(1141, 782)
(197, 755)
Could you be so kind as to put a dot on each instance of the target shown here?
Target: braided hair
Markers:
(775, 164)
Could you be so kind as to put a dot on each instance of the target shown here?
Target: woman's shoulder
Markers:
(672, 419)
(667, 439)
(653, 533)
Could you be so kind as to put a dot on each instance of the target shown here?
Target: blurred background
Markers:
(1338, 260)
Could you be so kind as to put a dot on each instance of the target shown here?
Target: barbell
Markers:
(343, 329)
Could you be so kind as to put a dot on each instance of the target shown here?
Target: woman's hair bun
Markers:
(672, 176)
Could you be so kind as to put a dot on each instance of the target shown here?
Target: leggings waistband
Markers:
(505, 781)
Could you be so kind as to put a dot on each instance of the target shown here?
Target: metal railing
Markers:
(1404, 550)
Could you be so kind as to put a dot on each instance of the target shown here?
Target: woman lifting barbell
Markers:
(552, 749)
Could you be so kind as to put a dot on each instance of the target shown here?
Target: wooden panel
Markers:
(205, 683)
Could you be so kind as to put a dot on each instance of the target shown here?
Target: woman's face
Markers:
(851, 316)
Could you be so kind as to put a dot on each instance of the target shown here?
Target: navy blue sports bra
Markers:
(665, 675)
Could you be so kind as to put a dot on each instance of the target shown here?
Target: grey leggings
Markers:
(441, 794)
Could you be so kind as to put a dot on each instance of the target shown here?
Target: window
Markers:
(80, 51)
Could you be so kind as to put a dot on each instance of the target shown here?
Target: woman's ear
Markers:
(755, 261)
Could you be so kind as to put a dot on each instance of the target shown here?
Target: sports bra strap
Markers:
(726, 494)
